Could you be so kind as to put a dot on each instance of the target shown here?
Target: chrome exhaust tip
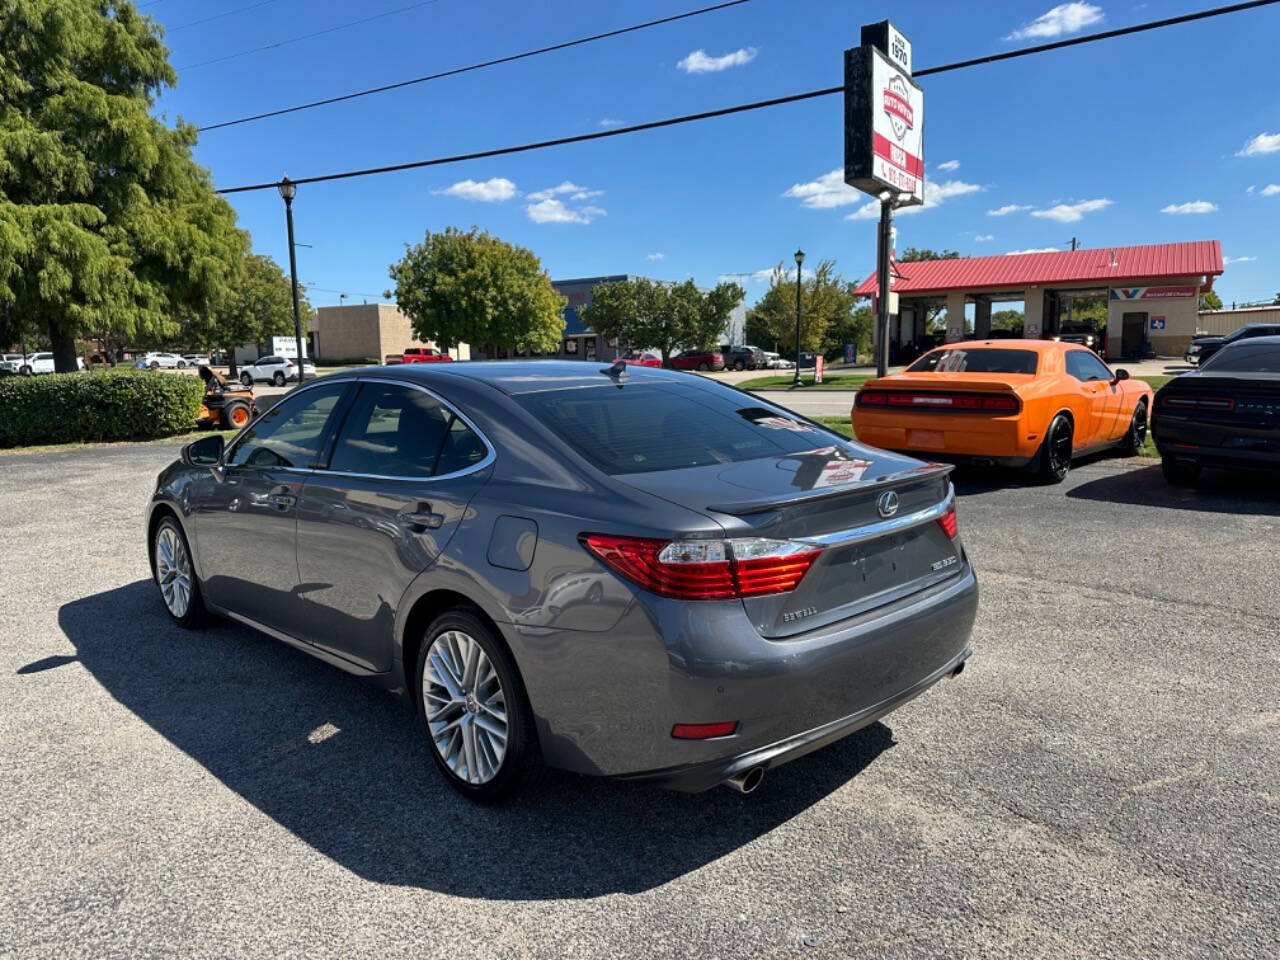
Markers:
(747, 781)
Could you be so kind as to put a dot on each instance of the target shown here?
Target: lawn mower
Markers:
(224, 406)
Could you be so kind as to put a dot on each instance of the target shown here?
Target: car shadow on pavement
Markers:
(1218, 491)
(344, 766)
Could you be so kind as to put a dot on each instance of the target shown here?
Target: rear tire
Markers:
(175, 575)
(235, 415)
(704, 366)
(739, 366)
(471, 684)
(1055, 452)
(1133, 441)
(278, 379)
(155, 365)
(182, 364)
(1179, 473)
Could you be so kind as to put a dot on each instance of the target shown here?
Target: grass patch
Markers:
(838, 424)
(1156, 382)
(839, 381)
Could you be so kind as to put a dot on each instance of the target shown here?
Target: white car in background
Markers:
(774, 362)
(33, 363)
(196, 359)
(157, 360)
(276, 369)
(11, 362)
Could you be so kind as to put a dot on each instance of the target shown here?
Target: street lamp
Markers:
(799, 260)
(288, 190)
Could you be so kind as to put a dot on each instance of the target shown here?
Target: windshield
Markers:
(1246, 357)
(985, 360)
(646, 427)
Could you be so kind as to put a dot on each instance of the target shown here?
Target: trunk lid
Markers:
(829, 497)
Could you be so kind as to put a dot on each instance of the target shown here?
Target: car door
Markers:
(1102, 393)
(246, 516)
(401, 472)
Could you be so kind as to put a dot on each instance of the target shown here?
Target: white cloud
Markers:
(1270, 190)
(829, 190)
(949, 165)
(486, 191)
(1229, 260)
(699, 62)
(983, 237)
(611, 122)
(1015, 253)
(1007, 209)
(1191, 206)
(1262, 143)
(1064, 18)
(553, 205)
(1071, 212)
(655, 256)
(935, 192)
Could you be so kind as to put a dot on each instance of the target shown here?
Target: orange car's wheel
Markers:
(1055, 452)
(1131, 446)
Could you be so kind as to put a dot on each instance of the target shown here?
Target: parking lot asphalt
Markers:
(1103, 779)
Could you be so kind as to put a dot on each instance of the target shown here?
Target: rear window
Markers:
(649, 427)
(986, 360)
(1246, 357)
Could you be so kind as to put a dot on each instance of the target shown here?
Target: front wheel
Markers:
(155, 365)
(278, 379)
(182, 364)
(247, 379)
(704, 366)
(25, 370)
(1055, 452)
(1133, 441)
(175, 576)
(473, 707)
(739, 366)
(1180, 473)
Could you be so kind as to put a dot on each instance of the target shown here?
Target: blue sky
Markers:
(1170, 135)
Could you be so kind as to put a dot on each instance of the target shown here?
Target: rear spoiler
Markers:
(926, 471)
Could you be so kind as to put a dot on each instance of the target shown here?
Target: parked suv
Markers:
(698, 360)
(276, 369)
(1202, 348)
(743, 357)
(1085, 334)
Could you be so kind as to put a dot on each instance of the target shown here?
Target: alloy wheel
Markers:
(1139, 427)
(1060, 449)
(173, 571)
(465, 706)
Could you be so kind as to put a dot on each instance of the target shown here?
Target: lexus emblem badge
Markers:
(887, 503)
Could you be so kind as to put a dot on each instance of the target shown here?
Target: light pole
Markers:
(797, 382)
(288, 189)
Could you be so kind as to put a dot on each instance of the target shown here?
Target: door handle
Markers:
(422, 518)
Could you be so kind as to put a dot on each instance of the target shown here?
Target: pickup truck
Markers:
(420, 355)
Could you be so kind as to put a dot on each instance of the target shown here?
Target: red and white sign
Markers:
(1152, 293)
(898, 128)
(819, 362)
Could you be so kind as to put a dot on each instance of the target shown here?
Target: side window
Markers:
(462, 449)
(391, 431)
(290, 433)
(1084, 366)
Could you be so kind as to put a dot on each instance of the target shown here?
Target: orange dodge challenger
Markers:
(1018, 403)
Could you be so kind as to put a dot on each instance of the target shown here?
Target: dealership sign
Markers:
(883, 117)
(1151, 293)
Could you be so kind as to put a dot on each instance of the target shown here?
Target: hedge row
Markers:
(85, 407)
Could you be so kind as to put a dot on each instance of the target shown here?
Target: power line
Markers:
(217, 16)
(309, 36)
(475, 66)
(755, 105)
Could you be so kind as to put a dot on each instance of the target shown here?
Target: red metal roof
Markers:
(1157, 261)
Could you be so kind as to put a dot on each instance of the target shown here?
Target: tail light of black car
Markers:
(1193, 402)
(993, 403)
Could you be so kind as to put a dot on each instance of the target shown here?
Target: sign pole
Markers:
(882, 285)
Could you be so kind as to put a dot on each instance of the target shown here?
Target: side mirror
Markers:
(205, 452)
(1120, 375)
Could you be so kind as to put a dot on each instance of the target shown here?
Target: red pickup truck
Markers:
(420, 355)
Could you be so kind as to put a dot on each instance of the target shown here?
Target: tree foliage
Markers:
(1007, 319)
(474, 288)
(666, 317)
(827, 311)
(258, 307)
(913, 255)
(106, 222)
(1209, 300)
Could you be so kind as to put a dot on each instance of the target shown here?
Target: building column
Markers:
(955, 316)
(1033, 313)
(981, 318)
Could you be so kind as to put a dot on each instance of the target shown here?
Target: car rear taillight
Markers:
(706, 569)
(704, 731)
(1192, 402)
(938, 400)
(948, 522)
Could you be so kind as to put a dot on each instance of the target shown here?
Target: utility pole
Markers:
(288, 189)
(1073, 244)
(882, 285)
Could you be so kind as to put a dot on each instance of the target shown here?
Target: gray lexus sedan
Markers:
(629, 572)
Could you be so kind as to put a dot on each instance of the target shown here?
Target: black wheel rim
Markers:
(1060, 448)
(1139, 428)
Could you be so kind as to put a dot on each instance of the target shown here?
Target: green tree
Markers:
(827, 311)
(912, 255)
(1007, 320)
(1210, 300)
(473, 288)
(663, 316)
(259, 307)
(106, 222)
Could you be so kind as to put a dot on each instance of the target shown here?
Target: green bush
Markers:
(85, 407)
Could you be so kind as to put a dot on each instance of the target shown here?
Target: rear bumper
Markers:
(694, 778)
(997, 439)
(1212, 445)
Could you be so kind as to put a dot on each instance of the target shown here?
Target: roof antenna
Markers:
(617, 372)
(1113, 258)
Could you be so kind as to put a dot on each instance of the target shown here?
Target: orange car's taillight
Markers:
(939, 400)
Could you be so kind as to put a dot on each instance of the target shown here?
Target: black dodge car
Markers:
(1202, 348)
(1226, 414)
